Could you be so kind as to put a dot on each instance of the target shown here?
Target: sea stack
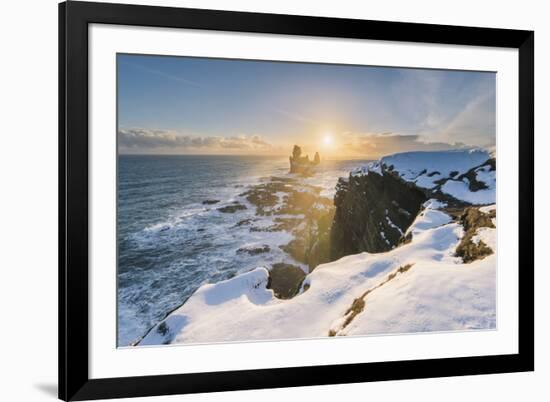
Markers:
(301, 164)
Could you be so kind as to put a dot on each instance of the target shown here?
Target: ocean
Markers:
(170, 242)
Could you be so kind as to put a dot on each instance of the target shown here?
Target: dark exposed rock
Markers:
(471, 179)
(286, 224)
(210, 202)
(297, 249)
(231, 209)
(441, 182)
(162, 328)
(492, 163)
(285, 280)
(319, 250)
(264, 248)
(264, 196)
(370, 213)
(473, 183)
(243, 222)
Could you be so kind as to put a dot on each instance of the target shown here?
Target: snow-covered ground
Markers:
(429, 169)
(437, 292)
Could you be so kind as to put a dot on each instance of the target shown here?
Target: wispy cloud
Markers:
(163, 74)
(374, 145)
(145, 140)
(474, 122)
(445, 106)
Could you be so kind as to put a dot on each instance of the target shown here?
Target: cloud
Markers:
(444, 106)
(379, 144)
(145, 140)
(475, 122)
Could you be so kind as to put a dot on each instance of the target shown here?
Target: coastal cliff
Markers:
(378, 202)
(372, 213)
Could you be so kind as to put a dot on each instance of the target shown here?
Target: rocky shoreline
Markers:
(299, 209)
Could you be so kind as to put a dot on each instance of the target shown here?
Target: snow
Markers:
(488, 208)
(429, 218)
(393, 225)
(460, 190)
(431, 296)
(428, 170)
(486, 175)
(424, 168)
(434, 296)
(434, 204)
(437, 293)
(374, 167)
(488, 236)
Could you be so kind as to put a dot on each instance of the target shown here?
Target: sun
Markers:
(327, 139)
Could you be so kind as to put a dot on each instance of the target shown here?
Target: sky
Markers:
(185, 105)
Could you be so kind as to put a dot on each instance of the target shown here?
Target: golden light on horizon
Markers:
(328, 139)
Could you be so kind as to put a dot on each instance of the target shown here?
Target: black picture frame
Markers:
(74, 18)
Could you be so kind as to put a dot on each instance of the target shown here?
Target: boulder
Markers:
(285, 280)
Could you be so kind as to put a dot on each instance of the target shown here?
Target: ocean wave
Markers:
(176, 219)
(196, 244)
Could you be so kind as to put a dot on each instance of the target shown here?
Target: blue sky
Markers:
(198, 105)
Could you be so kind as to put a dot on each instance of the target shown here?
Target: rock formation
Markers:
(301, 164)
(372, 213)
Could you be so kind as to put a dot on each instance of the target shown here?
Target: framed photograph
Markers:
(256, 200)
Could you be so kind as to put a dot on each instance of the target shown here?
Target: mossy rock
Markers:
(473, 219)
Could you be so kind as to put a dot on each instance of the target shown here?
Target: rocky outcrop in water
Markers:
(297, 208)
(231, 209)
(301, 164)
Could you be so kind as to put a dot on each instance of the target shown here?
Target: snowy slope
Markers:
(437, 292)
(442, 170)
(433, 296)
